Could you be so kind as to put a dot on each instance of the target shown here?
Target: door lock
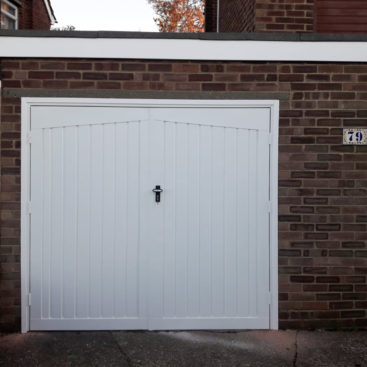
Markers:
(157, 190)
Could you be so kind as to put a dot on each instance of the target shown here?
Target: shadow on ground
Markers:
(186, 348)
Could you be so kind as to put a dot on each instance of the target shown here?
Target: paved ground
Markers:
(251, 348)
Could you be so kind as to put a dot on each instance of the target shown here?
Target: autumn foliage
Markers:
(179, 15)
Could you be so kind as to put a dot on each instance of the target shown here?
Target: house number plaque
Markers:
(355, 136)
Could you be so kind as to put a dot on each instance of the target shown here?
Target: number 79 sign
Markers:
(355, 136)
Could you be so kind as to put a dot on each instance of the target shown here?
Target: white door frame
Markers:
(27, 104)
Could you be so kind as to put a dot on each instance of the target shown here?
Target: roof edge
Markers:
(50, 11)
(279, 37)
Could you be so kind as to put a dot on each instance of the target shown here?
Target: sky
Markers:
(109, 15)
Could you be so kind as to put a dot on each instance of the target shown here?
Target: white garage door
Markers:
(104, 254)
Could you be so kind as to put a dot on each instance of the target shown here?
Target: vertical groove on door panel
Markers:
(142, 262)
(193, 295)
(174, 189)
(205, 222)
(46, 261)
(125, 196)
(244, 214)
(62, 194)
(102, 193)
(187, 229)
(114, 223)
(210, 212)
(181, 220)
(199, 220)
(56, 215)
(108, 230)
(223, 208)
(164, 215)
(37, 223)
(76, 249)
(133, 220)
(96, 220)
(237, 220)
(145, 163)
(120, 220)
(253, 223)
(69, 222)
(230, 222)
(169, 228)
(263, 223)
(217, 202)
(83, 215)
(90, 220)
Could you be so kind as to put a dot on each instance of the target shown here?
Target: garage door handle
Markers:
(157, 192)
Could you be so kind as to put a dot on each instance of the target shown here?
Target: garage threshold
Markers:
(245, 348)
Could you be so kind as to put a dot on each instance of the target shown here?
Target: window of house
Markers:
(8, 15)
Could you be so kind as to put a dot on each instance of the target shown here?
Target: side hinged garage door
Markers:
(108, 252)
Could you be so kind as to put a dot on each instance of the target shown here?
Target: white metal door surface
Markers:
(105, 255)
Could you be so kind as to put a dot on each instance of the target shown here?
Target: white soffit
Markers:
(182, 49)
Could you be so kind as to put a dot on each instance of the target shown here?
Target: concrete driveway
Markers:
(186, 348)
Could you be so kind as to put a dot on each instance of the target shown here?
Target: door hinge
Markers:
(29, 138)
(269, 298)
(29, 299)
(270, 137)
(268, 207)
(29, 207)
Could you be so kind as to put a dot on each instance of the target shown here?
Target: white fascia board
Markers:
(182, 49)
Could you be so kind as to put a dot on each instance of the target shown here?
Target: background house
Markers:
(318, 16)
(26, 14)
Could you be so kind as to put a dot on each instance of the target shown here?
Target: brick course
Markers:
(322, 184)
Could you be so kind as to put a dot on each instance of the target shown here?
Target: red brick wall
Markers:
(341, 16)
(322, 183)
(41, 19)
(284, 16)
(26, 15)
(33, 15)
